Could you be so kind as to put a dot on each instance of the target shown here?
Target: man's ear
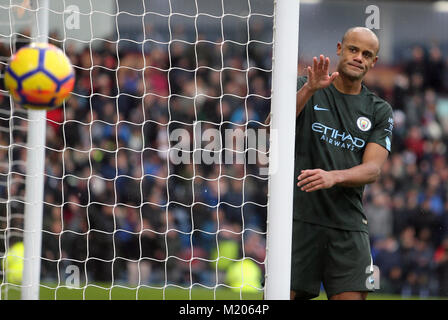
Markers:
(374, 61)
(339, 48)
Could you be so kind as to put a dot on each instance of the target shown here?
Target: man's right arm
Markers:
(303, 95)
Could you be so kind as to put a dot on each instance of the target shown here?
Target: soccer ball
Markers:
(39, 76)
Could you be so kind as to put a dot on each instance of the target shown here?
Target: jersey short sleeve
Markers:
(383, 127)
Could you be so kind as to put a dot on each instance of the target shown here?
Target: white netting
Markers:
(153, 183)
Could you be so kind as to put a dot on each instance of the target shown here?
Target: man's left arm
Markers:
(367, 172)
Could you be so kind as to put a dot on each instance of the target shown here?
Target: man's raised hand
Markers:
(318, 77)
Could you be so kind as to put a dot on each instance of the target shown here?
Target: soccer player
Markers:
(343, 137)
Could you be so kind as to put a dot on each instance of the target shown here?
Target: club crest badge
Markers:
(364, 124)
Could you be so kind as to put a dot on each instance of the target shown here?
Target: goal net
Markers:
(156, 181)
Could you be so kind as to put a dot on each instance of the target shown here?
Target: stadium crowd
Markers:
(115, 204)
(119, 209)
(408, 207)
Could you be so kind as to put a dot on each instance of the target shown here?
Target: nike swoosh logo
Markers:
(320, 109)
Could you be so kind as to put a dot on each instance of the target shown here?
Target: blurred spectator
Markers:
(416, 69)
(435, 69)
(423, 266)
(400, 91)
(379, 216)
(415, 141)
(400, 214)
(388, 259)
(407, 244)
(441, 265)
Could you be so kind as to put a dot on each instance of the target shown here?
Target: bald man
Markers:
(343, 137)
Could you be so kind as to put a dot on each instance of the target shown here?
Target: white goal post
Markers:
(152, 176)
(281, 161)
(34, 188)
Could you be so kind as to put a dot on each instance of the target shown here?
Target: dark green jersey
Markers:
(332, 132)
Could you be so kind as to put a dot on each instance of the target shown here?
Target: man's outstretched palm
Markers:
(318, 77)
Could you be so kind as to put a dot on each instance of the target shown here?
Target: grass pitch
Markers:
(117, 292)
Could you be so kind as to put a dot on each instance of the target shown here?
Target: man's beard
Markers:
(351, 76)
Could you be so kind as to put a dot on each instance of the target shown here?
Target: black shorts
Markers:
(338, 259)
